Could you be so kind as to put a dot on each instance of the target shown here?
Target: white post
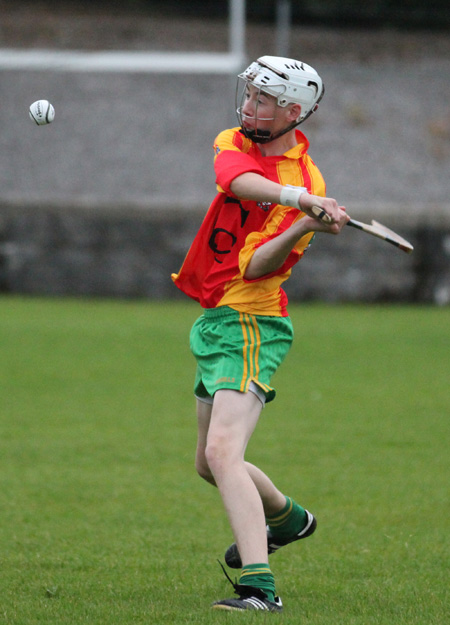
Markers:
(237, 16)
(283, 18)
(237, 49)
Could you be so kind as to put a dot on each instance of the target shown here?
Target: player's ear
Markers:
(294, 112)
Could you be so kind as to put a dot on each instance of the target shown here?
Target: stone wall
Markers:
(130, 252)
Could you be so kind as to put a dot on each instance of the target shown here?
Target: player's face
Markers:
(260, 110)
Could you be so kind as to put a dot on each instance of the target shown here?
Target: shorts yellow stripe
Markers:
(258, 345)
(251, 345)
(250, 351)
(244, 353)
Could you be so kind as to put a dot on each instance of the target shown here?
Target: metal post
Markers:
(283, 27)
(237, 45)
(237, 28)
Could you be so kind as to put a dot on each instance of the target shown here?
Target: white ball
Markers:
(42, 112)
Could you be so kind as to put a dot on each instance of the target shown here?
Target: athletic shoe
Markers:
(233, 559)
(250, 598)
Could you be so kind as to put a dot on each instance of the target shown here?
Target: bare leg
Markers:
(273, 500)
(224, 433)
(203, 417)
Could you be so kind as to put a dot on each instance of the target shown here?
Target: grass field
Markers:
(104, 521)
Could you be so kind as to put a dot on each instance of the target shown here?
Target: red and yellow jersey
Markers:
(213, 270)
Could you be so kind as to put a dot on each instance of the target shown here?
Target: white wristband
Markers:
(290, 196)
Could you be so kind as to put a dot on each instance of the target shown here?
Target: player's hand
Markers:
(329, 205)
(316, 224)
(328, 215)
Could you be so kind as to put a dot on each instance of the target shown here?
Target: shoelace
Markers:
(242, 590)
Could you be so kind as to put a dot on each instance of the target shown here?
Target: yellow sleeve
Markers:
(279, 220)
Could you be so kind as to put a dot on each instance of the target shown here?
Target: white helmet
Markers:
(290, 81)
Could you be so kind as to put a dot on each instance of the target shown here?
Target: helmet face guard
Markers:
(289, 81)
(256, 133)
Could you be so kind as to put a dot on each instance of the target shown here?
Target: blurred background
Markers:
(106, 200)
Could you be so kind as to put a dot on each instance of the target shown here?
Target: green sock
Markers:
(260, 576)
(288, 521)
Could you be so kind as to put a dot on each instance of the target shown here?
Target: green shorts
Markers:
(234, 350)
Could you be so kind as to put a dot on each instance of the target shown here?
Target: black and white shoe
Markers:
(233, 559)
(249, 598)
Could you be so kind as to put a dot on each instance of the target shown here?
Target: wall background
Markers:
(106, 200)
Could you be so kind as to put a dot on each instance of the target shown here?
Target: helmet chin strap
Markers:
(265, 136)
(257, 135)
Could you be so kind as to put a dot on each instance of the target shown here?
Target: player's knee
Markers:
(218, 453)
(203, 470)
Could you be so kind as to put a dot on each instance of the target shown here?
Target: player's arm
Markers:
(252, 186)
(270, 256)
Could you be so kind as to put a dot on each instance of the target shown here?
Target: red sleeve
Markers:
(230, 164)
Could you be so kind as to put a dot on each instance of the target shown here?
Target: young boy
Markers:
(259, 225)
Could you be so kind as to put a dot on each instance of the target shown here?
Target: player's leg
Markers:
(228, 459)
(273, 500)
(233, 419)
(256, 585)
(204, 410)
(287, 521)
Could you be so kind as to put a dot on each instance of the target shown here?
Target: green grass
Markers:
(104, 521)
